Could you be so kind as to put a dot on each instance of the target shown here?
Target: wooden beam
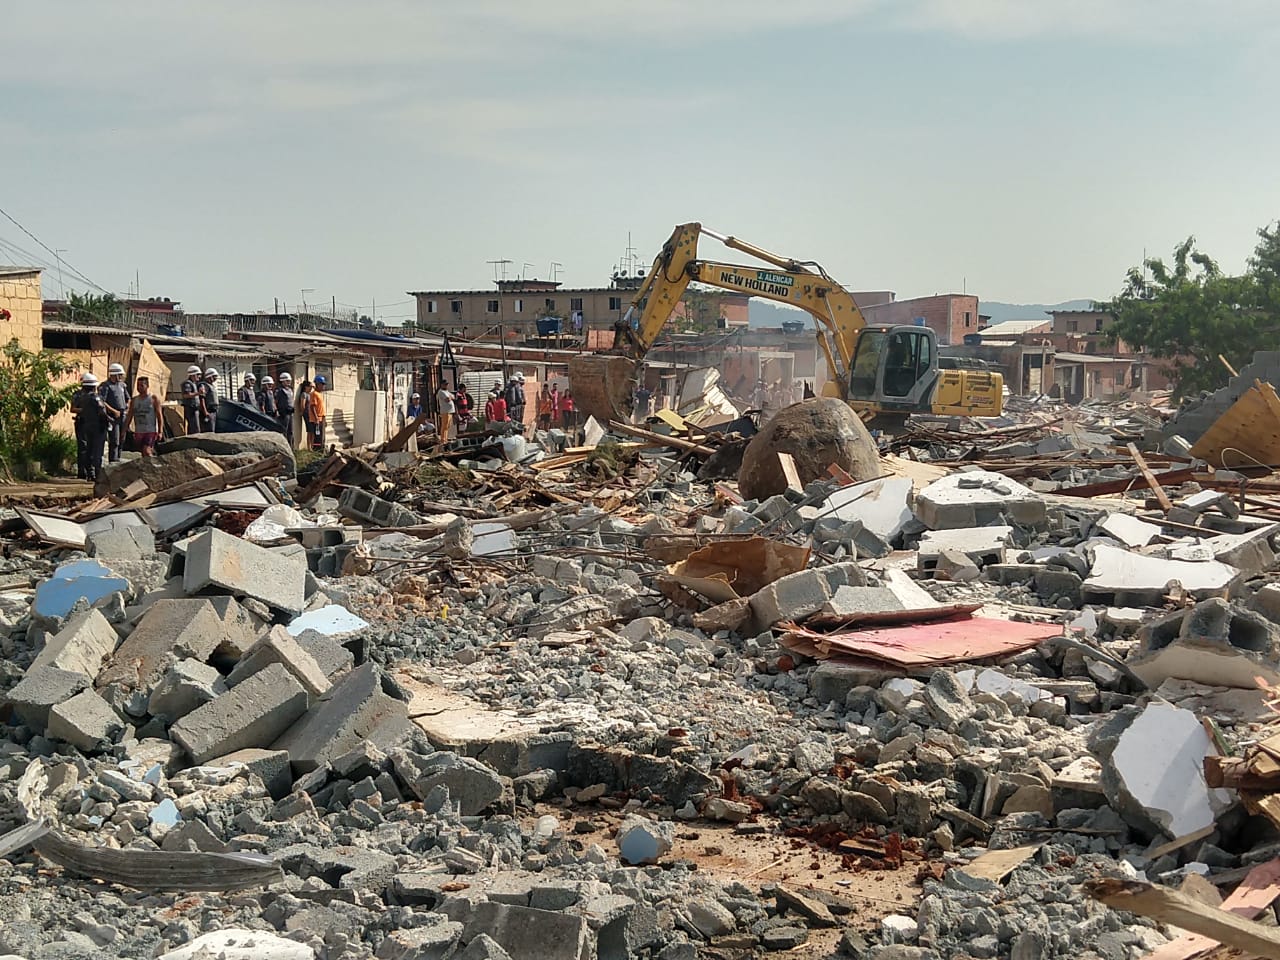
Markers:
(397, 443)
(1230, 369)
(789, 470)
(1165, 503)
(230, 478)
(674, 442)
(1180, 475)
(1172, 907)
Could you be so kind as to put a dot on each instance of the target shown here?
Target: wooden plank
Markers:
(1259, 889)
(1230, 369)
(410, 429)
(674, 442)
(789, 470)
(1169, 906)
(1180, 475)
(1248, 434)
(205, 485)
(1165, 503)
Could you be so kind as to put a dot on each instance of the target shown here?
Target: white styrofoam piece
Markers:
(331, 620)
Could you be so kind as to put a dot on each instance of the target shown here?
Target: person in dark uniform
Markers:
(284, 405)
(91, 428)
(248, 392)
(115, 400)
(191, 399)
(209, 401)
(267, 397)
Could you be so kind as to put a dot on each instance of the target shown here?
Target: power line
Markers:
(56, 257)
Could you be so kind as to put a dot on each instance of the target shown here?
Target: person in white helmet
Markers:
(191, 398)
(248, 392)
(209, 401)
(284, 405)
(115, 400)
(267, 397)
(91, 428)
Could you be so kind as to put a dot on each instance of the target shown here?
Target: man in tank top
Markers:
(143, 417)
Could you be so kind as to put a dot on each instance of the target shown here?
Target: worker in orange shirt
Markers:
(315, 414)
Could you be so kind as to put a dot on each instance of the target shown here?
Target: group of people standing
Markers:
(556, 408)
(503, 405)
(105, 414)
(278, 401)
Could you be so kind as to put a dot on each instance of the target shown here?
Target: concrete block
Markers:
(1213, 643)
(882, 506)
(252, 714)
(1248, 552)
(1008, 574)
(220, 562)
(270, 766)
(983, 546)
(528, 933)
(978, 498)
(353, 710)
(471, 785)
(85, 641)
(851, 602)
(832, 680)
(1130, 531)
(363, 507)
(240, 628)
(84, 721)
(132, 542)
(792, 597)
(39, 689)
(1122, 574)
(436, 941)
(954, 565)
(276, 646)
(185, 629)
(331, 655)
(186, 685)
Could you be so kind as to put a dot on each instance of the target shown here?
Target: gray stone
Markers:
(133, 542)
(42, 687)
(528, 933)
(832, 680)
(812, 756)
(252, 714)
(484, 947)
(471, 784)
(85, 641)
(271, 766)
(955, 565)
(169, 629)
(783, 938)
(817, 433)
(276, 646)
(331, 655)
(792, 597)
(433, 942)
(815, 912)
(354, 710)
(710, 918)
(947, 699)
(185, 686)
(84, 721)
(641, 841)
(222, 563)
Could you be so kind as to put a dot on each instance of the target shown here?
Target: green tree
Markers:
(29, 397)
(103, 309)
(1188, 312)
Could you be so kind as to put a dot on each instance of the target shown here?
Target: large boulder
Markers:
(260, 443)
(164, 472)
(817, 433)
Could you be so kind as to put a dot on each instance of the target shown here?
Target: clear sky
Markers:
(1027, 150)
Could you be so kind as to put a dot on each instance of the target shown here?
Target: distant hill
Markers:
(763, 313)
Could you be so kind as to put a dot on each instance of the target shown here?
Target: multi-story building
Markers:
(952, 316)
(515, 308)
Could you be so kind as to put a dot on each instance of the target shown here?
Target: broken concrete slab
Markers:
(1213, 643)
(529, 933)
(185, 685)
(471, 785)
(978, 498)
(881, 506)
(983, 545)
(332, 657)
(642, 841)
(277, 646)
(1135, 579)
(1129, 530)
(40, 689)
(131, 542)
(185, 629)
(270, 766)
(85, 641)
(1154, 774)
(220, 562)
(85, 721)
(354, 710)
(1250, 552)
(252, 714)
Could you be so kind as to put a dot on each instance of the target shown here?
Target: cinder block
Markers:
(220, 562)
(252, 714)
(528, 933)
(81, 646)
(276, 646)
(331, 655)
(186, 685)
(363, 507)
(792, 597)
(42, 687)
(121, 543)
(84, 721)
(271, 766)
(355, 709)
(240, 628)
(170, 628)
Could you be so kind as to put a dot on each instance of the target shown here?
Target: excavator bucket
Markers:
(603, 386)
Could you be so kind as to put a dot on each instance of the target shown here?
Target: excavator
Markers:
(885, 373)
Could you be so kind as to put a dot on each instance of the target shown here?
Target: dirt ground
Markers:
(23, 493)
(754, 859)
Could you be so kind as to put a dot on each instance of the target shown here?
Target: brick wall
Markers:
(949, 315)
(20, 295)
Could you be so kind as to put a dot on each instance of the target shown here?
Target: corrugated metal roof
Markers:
(1093, 358)
(16, 271)
(60, 327)
(1012, 328)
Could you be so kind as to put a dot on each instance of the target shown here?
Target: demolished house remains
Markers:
(1000, 688)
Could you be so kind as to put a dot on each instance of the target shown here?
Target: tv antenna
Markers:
(499, 263)
(556, 267)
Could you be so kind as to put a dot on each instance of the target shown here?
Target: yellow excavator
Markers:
(884, 373)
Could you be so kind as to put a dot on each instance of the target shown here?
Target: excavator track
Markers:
(603, 386)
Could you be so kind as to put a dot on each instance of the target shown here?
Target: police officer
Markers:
(248, 392)
(209, 401)
(90, 415)
(191, 399)
(267, 398)
(284, 405)
(115, 400)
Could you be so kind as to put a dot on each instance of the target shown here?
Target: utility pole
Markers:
(502, 330)
(333, 308)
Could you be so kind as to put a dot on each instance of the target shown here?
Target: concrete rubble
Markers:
(459, 706)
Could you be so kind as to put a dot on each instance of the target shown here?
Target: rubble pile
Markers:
(513, 704)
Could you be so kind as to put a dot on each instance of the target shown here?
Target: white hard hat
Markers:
(115, 368)
(266, 380)
(250, 376)
(194, 370)
(211, 372)
(286, 377)
(520, 377)
(88, 380)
